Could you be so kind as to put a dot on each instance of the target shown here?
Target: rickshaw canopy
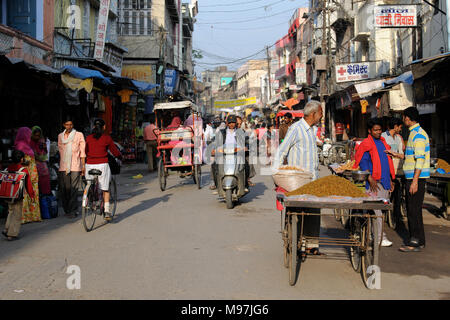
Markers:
(177, 105)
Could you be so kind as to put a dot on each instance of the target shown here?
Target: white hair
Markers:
(311, 107)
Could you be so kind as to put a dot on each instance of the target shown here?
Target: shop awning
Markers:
(366, 89)
(406, 77)
(134, 85)
(82, 73)
(22, 63)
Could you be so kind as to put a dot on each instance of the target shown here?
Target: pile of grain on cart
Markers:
(329, 186)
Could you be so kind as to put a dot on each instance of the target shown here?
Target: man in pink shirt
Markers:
(151, 144)
(71, 145)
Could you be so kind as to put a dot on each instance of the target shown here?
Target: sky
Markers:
(228, 30)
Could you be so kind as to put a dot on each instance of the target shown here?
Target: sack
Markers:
(49, 207)
(12, 185)
(291, 180)
(114, 166)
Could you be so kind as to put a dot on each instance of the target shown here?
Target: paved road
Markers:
(184, 244)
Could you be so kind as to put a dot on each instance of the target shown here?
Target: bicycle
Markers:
(93, 203)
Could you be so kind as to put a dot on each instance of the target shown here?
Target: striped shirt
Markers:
(300, 147)
(417, 153)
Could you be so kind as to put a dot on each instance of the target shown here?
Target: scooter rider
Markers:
(215, 129)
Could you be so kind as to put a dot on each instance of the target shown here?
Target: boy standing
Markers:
(14, 220)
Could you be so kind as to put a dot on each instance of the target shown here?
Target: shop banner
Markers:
(395, 16)
(170, 81)
(426, 108)
(102, 26)
(300, 73)
(352, 72)
(234, 103)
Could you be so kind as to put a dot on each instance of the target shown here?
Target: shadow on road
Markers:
(142, 207)
(255, 192)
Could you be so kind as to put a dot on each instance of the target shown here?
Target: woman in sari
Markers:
(38, 144)
(31, 211)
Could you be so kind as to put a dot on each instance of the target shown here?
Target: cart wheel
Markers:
(162, 174)
(344, 216)
(198, 175)
(391, 219)
(293, 241)
(367, 258)
(355, 251)
(229, 199)
(286, 233)
(337, 214)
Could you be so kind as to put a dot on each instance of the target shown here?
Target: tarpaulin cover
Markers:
(82, 73)
(406, 77)
(144, 86)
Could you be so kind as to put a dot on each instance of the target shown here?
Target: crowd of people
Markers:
(78, 155)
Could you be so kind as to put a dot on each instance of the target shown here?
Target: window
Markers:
(135, 17)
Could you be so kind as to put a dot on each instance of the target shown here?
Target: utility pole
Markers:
(162, 61)
(268, 68)
(323, 74)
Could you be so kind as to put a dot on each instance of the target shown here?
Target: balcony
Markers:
(172, 7)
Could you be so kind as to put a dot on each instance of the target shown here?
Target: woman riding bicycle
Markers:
(97, 146)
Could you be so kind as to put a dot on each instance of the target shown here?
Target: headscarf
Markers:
(176, 122)
(39, 147)
(23, 140)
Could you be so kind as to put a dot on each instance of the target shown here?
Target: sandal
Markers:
(212, 188)
(409, 249)
(5, 233)
(251, 184)
(10, 238)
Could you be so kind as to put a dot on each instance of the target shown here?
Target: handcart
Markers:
(185, 139)
(364, 248)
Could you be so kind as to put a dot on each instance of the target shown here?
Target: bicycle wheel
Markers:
(367, 258)
(345, 213)
(113, 196)
(391, 219)
(89, 208)
(337, 214)
(355, 251)
(198, 175)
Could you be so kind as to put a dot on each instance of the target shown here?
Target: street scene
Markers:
(211, 150)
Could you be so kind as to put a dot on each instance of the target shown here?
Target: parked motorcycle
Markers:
(231, 174)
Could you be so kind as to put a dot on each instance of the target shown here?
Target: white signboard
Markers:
(426, 108)
(395, 16)
(101, 29)
(352, 72)
(300, 73)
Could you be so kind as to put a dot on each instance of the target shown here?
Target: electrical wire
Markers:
(255, 28)
(231, 4)
(265, 7)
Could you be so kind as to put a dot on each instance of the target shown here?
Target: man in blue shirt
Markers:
(383, 186)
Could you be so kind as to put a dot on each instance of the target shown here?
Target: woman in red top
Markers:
(97, 146)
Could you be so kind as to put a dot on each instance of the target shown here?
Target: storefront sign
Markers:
(275, 84)
(145, 73)
(170, 81)
(234, 103)
(225, 81)
(101, 29)
(352, 72)
(426, 108)
(300, 73)
(113, 58)
(395, 16)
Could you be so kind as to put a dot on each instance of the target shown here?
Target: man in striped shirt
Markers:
(417, 169)
(300, 148)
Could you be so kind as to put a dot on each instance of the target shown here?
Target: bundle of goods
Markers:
(443, 165)
(329, 186)
(346, 166)
(291, 178)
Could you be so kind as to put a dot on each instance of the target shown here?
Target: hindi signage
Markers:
(300, 73)
(102, 26)
(170, 81)
(353, 72)
(395, 16)
(234, 103)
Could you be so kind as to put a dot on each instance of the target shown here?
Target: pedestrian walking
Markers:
(417, 169)
(39, 145)
(284, 127)
(97, 146)
(71, 146)
(300, 149)
(14, 219)
(31, 210)
(151, 144)
(371, 156)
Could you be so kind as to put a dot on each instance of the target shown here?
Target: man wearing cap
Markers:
(285, 126)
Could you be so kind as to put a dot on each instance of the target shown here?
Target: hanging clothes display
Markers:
(125, 95)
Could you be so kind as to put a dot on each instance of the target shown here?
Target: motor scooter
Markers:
(231, 174)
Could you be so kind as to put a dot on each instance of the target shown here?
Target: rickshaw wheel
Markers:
(293, 241)
(286, 233)
(367, 258)
(355, 251)
(198, 175)
(161, 174)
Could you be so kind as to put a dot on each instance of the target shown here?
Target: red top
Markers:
(28, 186)
(97, 150)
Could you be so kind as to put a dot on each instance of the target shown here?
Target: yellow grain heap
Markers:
(290, 168)
(442, 164)
(329, 186)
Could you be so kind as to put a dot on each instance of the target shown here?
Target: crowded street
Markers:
(184, 244)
